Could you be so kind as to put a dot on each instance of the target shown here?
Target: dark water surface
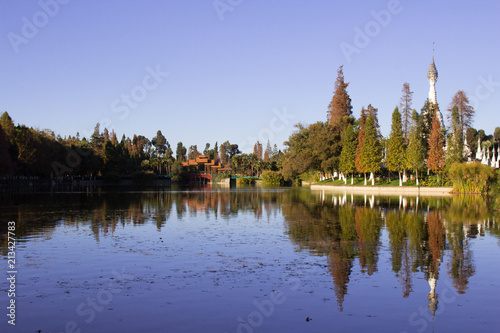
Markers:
(250, 260)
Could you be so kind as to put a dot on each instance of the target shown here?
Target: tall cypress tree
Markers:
(415, 154)
(371, 152)
(361, 136)
(396, 146)
(348, 155)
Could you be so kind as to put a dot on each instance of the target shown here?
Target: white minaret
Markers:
(432, 77)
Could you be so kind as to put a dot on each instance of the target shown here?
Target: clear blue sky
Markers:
(240, 69)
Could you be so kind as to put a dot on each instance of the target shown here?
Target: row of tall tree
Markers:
(417, 142)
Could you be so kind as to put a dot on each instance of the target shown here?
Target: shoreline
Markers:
(386, 190)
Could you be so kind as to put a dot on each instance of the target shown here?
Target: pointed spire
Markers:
(479, 153)
(432, 73)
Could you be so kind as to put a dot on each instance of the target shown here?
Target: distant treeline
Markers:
(29, 152)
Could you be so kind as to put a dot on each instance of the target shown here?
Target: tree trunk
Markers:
(365, 177)
(416, 175)
(352, 179)
(400, 182)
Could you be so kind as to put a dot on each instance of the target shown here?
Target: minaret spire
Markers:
(432, 77)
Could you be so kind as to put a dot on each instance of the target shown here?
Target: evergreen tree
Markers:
(180, 152)
(455, 147)
(360, 167)
(160, 144)
(370, 152)
(8, 127)
(275, 154)
(96, 138)
(223, 154)
(193, 152)
(206, 151)
(340, 105)
(396, 146)
(372, 111)
(415, 154)
(348, 155)
(435, 160)
(405, 104)
(426, 115)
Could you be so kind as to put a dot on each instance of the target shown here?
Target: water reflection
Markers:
(425, 236)
(423, 233)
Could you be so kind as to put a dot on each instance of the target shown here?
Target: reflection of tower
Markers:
(432, 297)
(432, 77)
(436, 242)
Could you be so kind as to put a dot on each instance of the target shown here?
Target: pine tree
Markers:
(435, 160)
(396, 146)
(370, 152)
(348, 155)
(340, 105)
(415, 154)
(361, 135)
(405, 104)
(454, 153)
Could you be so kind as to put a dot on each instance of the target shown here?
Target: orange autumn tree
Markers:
(435, 159)
(340, 106)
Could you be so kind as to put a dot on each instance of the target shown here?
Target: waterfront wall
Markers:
(386, 190)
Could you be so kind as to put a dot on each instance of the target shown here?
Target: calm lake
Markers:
(249, 260)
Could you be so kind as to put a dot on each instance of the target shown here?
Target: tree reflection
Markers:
(419, 229)
(346, 229)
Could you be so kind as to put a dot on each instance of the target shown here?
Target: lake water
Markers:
(249, 260)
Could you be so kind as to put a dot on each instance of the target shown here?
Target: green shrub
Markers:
(272, 177)
(244, 181)
(471, 178)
